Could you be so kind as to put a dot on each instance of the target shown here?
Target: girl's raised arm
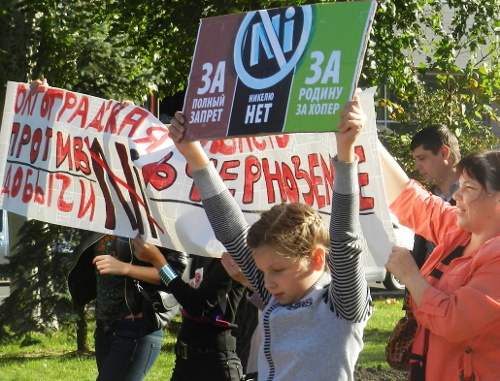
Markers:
(351, 123)
(192, 150)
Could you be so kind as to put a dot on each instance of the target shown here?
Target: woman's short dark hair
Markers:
(484, 167)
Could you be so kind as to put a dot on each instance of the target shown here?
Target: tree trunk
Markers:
(81, 330)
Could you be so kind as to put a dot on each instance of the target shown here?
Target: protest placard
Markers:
(80, 161)
(276, 71)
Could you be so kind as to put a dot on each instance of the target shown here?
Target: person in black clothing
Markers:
(103, 268)
(436, 153)
(205, 348)
(247, 317)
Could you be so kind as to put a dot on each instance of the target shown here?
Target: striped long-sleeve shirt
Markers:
(320, 336)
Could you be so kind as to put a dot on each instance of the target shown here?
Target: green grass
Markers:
(52, 358)
(386, 313)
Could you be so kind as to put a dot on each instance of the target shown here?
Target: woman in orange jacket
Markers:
(456, 295)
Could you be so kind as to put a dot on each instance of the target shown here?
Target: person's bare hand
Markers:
(234, 271)
(401, 264)
(37, 84)
(147, 252)
(176, 127)
(352, 121)
(106, 264)
(191, 150)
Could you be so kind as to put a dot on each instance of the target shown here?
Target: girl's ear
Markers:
(318, 258)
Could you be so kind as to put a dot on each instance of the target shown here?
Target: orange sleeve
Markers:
(424, 213)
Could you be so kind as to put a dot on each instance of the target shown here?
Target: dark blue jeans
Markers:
(125, 351)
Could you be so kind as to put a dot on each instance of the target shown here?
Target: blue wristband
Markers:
(167, 274)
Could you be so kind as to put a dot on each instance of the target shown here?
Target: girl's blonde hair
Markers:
(296, 228)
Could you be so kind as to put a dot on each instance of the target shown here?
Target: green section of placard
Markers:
(327, 74)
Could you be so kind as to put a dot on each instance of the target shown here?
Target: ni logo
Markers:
(270, 43)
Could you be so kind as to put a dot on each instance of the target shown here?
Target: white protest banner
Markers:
(80, 161)
(273, 71)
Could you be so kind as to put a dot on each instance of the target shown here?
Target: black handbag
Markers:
(159, 306)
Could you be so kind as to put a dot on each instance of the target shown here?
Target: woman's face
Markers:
(478, 209)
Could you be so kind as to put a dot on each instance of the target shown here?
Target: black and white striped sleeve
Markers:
(349, 291)
(229, 224)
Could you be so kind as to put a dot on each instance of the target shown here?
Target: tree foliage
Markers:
(440, 63)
